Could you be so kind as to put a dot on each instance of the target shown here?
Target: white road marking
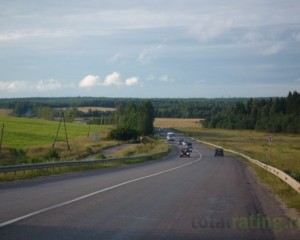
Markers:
(94, 193)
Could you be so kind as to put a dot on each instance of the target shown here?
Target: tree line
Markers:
(163, 107)
(271, 115)
(263, 114)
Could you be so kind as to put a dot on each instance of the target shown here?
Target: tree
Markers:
(146, 118)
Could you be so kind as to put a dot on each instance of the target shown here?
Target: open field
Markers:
(283, 153)
(28, 132)
(27, 140)
(5, 112)
(178, 123)
(86, 109)
(101, 109)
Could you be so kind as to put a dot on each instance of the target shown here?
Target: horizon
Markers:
(141, 98)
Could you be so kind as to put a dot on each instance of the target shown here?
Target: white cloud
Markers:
(45, 85)
(116, 58)
(89, 81)
(13, 86)
(40, 33)
(147, 55)
(132, 81)
(21, 85)
(150, 77)
(273, 49)
(166, 78)
(112, 79)
(208, 28)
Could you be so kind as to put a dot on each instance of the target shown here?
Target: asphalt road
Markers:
(202, 197)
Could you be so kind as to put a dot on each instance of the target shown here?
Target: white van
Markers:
(171, 136)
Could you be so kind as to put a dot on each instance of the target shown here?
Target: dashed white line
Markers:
(94, 193)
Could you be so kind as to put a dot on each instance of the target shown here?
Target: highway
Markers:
(202, 197)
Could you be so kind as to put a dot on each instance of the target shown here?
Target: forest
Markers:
(271, 115)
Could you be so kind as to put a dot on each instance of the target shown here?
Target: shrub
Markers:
(52, 154)
(123, 133)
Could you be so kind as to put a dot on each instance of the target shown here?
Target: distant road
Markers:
(201, 197)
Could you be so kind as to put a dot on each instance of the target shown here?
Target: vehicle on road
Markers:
(219, 152)
(189, 147)
(184, 153)
(180, 142)
(171, 136)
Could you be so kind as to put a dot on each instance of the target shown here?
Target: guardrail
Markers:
(25, 167)
(282, 175)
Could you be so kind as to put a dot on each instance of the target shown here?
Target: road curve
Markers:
(201, 197)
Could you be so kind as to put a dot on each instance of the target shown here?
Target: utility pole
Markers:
(2, 131)
(270, 139)
(66, 135)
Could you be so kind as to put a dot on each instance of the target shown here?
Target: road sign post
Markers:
(270, 139)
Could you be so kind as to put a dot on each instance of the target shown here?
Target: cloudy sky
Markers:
(149, 48)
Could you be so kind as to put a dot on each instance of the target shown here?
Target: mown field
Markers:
(283, 153)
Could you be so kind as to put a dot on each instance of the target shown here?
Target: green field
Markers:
(29, 140)
(28, 132)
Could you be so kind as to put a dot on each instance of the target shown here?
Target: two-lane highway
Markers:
(202, 197)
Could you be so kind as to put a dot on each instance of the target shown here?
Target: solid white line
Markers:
(94, 193)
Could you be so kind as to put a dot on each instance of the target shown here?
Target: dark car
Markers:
(189, 147)
(184, 153)
(219, 152)
(180, 142)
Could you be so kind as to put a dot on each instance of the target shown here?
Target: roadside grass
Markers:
(11, 176)
(283, 153)
(153, 145)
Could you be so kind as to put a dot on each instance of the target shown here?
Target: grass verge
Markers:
(28, 174)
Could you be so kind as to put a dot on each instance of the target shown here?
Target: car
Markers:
(180, 142)
(219, 152)
(184, 153)
(189, 148)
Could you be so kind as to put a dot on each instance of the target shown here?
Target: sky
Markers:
(149, 48)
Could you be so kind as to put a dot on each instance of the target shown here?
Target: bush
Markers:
(52, 154)
(123, 133)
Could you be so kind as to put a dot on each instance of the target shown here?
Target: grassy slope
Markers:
(28, 132)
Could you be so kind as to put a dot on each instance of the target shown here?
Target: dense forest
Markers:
(272, 115)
